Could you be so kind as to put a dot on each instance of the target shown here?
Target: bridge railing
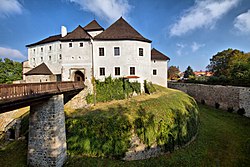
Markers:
(9, 91)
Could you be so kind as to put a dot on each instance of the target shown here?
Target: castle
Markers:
(91, 51)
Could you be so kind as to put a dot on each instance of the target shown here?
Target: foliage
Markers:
(169, 120)
(10, 71)
(113, 89)
(149, 87)
(173, 72)
(188, 72)
(210, 147)
(230, 67)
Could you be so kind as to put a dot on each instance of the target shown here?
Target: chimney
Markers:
(63, 31)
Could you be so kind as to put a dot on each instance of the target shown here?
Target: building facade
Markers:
(90, 51)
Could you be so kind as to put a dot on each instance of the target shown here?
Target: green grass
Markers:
(223, 140)
(167, 118)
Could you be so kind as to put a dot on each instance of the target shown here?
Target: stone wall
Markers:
(47, 136)
(224, 97)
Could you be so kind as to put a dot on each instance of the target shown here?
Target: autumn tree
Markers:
(173, 72)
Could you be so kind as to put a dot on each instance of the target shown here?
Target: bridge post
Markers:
(47, 136)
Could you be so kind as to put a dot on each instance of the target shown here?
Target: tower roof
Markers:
(42, 69)
(77, 34)
(157, 55)
(121, 30)
(93, 26)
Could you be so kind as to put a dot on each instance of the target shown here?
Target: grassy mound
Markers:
(167, 118)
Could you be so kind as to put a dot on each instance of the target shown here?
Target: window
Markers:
(49, 58)
(117, 71)
(60, 56)
(41, 59)
(41, 49)
(140, 51)
(60, 46)
(101, 51)
(70, 45)
(81, 44)
(154, 72)
(50, 48)
(154, 61)
(34, 50)
(132, 70)
(116, 51)
(102, 71)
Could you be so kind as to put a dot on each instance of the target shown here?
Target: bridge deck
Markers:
(15, 94)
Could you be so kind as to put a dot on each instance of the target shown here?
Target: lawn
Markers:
(223, 140)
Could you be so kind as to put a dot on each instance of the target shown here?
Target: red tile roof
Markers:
(121, 30)
(42, 69)
(93, 26)
(157, 55)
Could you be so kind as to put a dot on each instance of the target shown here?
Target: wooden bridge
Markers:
(47, 136)
(13, 96)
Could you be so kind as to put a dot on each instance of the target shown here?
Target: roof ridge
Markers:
(121, 30)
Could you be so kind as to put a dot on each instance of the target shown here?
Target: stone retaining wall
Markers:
(224, 97)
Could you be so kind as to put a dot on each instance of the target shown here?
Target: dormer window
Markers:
(116, 51)
(70, 45)
(140, 51)
(101, 51)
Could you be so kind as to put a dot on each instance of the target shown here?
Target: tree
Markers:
(189, 72)
(222, 62)
(173, 72)
(10, 71)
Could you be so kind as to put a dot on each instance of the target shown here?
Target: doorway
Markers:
(79, 76)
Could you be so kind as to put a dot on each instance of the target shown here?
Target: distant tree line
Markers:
(229, 67)
(10, 71)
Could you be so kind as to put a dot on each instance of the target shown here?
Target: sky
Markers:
(190, 32)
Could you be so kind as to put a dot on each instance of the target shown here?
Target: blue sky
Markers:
(190, 32)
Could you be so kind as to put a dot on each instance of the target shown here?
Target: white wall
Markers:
(129, 57)
(34, 52)
(94, 33)
(161, 72)
(76, 58)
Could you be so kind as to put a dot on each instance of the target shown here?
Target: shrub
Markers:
(241, 111)
(113, 89)
(217, 105)
(148, 87)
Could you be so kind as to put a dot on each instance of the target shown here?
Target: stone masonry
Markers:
(47, 136)
(226, 97)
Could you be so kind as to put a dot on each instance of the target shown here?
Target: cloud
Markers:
(109, 10)
(195, 46)
(11, 54)
(9, 7)
(180, 48)
(204, 14)
(242, 22)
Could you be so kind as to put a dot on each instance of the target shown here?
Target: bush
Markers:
(114, 89)
(241, 111)
(149, 87)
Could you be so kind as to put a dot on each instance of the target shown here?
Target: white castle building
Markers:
(119, 51)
